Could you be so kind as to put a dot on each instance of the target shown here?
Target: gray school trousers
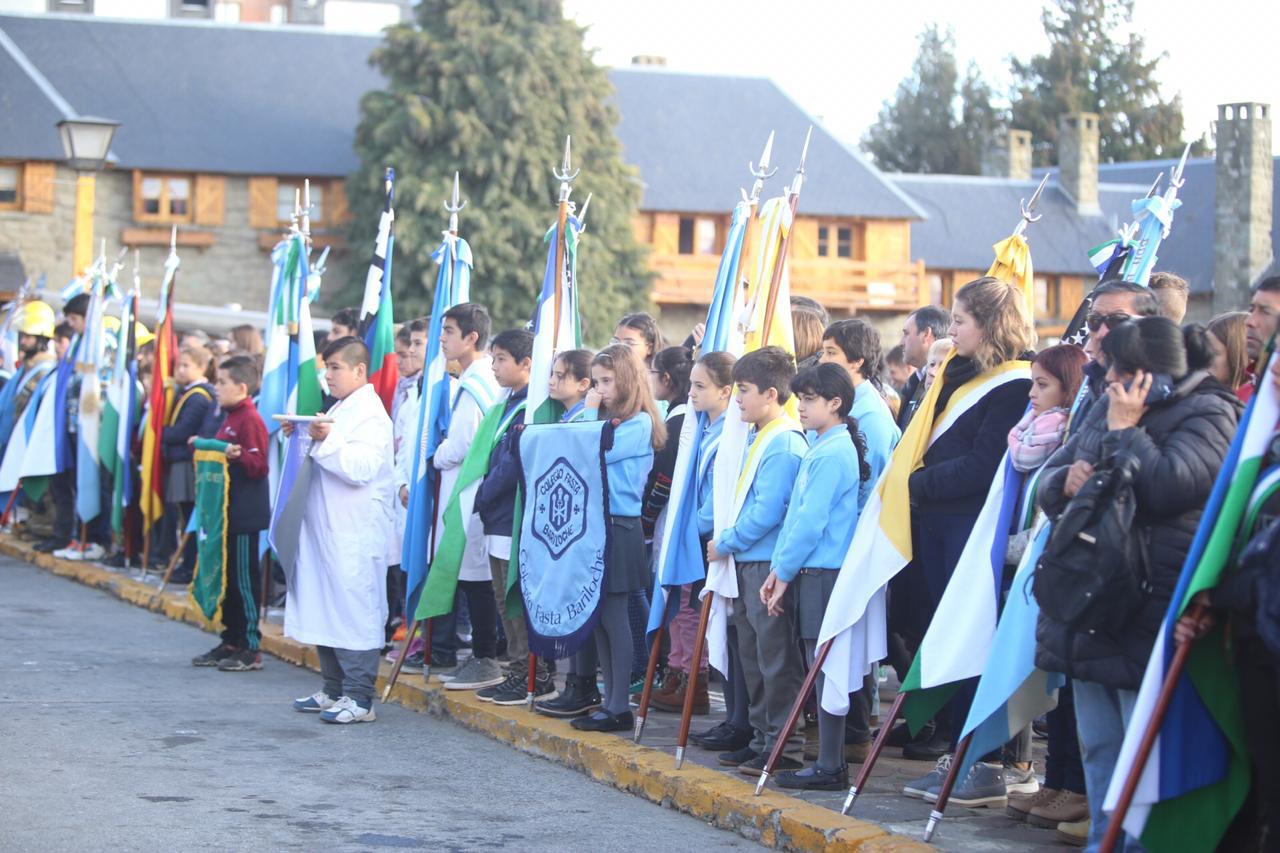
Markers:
(771, 660)
(349, 673)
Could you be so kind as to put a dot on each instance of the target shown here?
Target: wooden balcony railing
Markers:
(839, 284)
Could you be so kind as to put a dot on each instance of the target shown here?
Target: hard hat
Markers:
(35, 318)
(111, 325)
(142, 336)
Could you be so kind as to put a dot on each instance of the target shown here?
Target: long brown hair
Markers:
(634, 394)
(998, 308)
(1229, 329)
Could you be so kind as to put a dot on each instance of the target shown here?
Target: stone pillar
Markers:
(1078, 159)
(1243, 175)
(1009, 157)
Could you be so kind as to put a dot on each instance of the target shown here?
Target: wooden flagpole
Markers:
(944, 795)
(864, 772)
(649, 671)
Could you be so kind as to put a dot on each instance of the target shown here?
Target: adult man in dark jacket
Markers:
(922, 328)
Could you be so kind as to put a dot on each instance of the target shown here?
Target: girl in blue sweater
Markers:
(620, 391)
(815, 537)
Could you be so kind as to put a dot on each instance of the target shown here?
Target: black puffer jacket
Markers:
(1179, 446)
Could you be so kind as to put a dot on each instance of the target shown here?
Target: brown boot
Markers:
(674, 702)
(670, 684)
(1066, 807)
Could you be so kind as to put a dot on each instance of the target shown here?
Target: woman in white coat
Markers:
(339, 599)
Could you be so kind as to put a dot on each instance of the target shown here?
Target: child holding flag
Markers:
(236, 421)
(339, 599)
(192, 408)
(815, 537)
(766, 643)
(620, 391)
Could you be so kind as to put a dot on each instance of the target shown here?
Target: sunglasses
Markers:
(1095, 321)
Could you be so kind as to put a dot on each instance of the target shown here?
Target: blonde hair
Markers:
(939, 349)
(634, 394)
(998, 308)
(200, 357)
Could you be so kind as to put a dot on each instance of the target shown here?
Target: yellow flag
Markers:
(1013, 266)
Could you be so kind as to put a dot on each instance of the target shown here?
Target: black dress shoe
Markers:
(814, 779)
(927, 750)
(737, 757)
(755, 766)
(603, 721)
(900, 735)
(727, 739)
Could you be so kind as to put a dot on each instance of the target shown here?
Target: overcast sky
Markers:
(841, 58)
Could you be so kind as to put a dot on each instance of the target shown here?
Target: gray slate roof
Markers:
(194, 96)
(692, 136)
(969, 214)
(246, 99)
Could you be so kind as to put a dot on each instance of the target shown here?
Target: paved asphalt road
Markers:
(111, 740)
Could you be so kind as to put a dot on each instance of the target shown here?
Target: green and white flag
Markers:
(209, 585)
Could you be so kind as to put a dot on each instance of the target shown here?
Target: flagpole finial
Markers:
(1176, 180)
(173, 240)
(804, 156)
(1155, 185)
(566, 173)
(1027, 208)
(454, 207)
(582, 217)
(306, 207)
(762, 172)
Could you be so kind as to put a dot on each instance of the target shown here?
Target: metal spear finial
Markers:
(454, 207)
(762, 172)
(1026, 207)
(1175, 179)
(582, 217)
(565, 174)
(306, 207)
(804, 155)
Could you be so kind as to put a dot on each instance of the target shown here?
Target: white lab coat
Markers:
(340, 594)
(404, 429)
(463, 423)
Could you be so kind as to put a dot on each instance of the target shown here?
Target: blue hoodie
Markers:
(823, 510)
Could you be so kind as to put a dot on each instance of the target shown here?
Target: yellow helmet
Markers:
(35, 318)
(111, 325)
(142, 336)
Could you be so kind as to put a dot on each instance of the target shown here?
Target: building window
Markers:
(10, 186)
(844, 242)
(934, 280)
(704, 236)
(824, 241)
(85, 6)
(279, 13)
(227, 13)
(840, 241)
(162, 198)
(1047, 291)
(289, 195)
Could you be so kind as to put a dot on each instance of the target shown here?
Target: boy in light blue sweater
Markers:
(815, 537)
(767, 644)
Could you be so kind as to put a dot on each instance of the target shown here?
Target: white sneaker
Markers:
(74, 551)
(314, 704)
(345, 710)
(93, 552)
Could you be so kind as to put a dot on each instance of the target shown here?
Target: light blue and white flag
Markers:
(435, 406)
(564, 534)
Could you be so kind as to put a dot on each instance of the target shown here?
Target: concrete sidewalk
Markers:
(701, 789)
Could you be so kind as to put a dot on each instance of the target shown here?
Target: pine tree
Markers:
(490, 88)
(1096, 63)
(936, 122)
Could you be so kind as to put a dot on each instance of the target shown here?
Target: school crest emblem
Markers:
(559, 507)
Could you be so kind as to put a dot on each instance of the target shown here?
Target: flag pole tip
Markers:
(764, 778)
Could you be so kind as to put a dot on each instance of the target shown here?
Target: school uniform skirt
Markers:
(813, 590)
(180, 482)
(628, 567)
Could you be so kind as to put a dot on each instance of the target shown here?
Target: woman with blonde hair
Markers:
(979, 395)
(1230, 342)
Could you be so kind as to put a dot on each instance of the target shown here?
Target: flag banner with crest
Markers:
(564, 534)
(209, 585)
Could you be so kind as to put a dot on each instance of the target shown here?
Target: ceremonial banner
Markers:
(442, 578)
(1197, 775)
(209, 585)
(855, 620)
(289, 505)
(564, 534)
(375, 310)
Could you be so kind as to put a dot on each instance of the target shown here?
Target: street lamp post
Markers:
(86, 142)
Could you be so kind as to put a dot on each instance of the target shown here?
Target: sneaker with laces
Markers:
(74, 551)
(917, 788)
(92, 552)
(346, 710)
(315, 703)
(513, 692)
(214, 656)
(475, 674)
(982, 787)
(1020, 806)
(1019, 780)
(1066, 807)
(242, 661)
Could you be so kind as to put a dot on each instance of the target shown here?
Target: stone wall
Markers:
(1244, 175)
(234, 271)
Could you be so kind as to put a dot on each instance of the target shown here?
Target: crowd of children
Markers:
(820, 436)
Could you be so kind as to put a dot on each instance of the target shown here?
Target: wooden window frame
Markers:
(163, 218)
(320, 221)
(18, 167)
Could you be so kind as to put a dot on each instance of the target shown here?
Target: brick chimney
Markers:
(1242, 210)
(1009, 157)
(1078, 159)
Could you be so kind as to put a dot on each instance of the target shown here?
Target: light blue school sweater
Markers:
(752, 538)
(708, 444)
(627, 464)
(823, 510)
(875, 422)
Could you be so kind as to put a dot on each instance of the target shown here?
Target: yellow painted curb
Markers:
(773, 819)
